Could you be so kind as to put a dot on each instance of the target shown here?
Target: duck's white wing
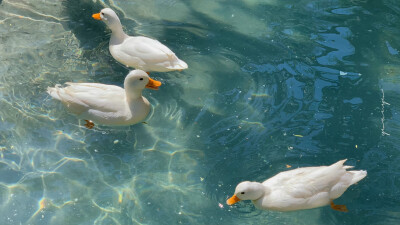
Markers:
(80, 97)
(308, 182)
(151, 52)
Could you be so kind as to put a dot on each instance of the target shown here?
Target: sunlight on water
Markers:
(271, 85)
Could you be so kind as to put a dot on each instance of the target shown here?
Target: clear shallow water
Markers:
(270, 84)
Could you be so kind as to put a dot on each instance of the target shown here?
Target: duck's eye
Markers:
(102, 13)
(141, 79)
(242, 193)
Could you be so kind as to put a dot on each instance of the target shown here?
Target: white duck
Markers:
(139, 52)
(108, 104)
(302, 188)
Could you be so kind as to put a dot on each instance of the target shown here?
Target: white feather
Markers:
(105, 104)
(139, 52)
(302, 188)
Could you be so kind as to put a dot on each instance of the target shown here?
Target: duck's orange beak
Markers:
(96, 16)
(232, 200)
(153, 84)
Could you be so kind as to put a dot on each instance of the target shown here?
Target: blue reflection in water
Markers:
(270, 84)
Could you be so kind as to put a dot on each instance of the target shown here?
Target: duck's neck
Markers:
(118, 35)
(133, 95)
(261, 190)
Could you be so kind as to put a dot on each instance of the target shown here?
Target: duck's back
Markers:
(309, 187)
(146, 54)
(81, 97)
(297, 189)
(304, 182)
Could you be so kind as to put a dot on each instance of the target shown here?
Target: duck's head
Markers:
(108, 16)
(139, 80)
(246, 191)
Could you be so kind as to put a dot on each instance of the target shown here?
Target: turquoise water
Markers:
(270, 83)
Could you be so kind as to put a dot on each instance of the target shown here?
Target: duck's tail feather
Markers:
(179, 65)
(357, 175)
(341, 163)
(347, 167)
(182, 64)
(347, 179)
(53, 92)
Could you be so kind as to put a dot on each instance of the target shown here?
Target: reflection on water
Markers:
(269, 84)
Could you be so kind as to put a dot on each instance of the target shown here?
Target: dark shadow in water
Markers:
(89, 31)
(93, 37)
(257, 147)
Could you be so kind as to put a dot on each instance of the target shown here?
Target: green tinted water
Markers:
(270, 83)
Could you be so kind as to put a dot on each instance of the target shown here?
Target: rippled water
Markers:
(270, 83)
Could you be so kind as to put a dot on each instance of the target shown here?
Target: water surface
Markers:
(270, 83)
